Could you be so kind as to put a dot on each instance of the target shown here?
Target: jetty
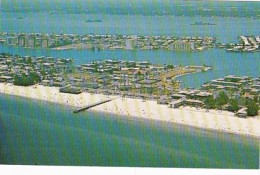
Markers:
(91, 105)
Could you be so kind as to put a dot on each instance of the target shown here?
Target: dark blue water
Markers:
(41, 133)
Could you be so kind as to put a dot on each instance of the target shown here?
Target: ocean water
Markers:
(33, 132)
(39, 133)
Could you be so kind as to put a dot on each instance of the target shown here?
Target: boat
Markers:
(20, 17)
(203, 23)
(95, 20)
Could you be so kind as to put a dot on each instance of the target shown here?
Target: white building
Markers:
(130, 44)
(180, 45)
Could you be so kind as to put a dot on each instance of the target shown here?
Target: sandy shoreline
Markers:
(216, 120)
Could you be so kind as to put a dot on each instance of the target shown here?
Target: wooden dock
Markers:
(91, 105)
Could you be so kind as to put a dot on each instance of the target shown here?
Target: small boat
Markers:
(203, 23)
(95, 20)
(20, 17)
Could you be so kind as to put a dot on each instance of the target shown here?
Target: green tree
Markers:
(256, 98)
(139, 74)
(129, 65)
(233, 105)
(28, 60)
(252, 108)
(43, 73)
(210, 103)
(169, 66)
(222, 99)
(25, 80)
(35, 77)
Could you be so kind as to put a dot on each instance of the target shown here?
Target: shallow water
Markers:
(37, 132)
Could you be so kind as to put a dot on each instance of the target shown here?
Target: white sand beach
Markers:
(127, 107)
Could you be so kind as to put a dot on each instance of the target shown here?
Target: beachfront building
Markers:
(177, 103)
(192, 97)
(184, 101)
(189, 93)
(194, 103)
(177, 96)
(6, 79)
(202, 95)
(242, 113)
(163, 100)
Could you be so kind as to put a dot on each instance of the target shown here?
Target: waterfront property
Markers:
(124, 42)
(106, 42)
(245, 85)
(246, 44)
(241, 90)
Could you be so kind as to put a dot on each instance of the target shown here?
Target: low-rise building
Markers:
(163, 100)
(6, 79)
(177, 103)
(242, 113)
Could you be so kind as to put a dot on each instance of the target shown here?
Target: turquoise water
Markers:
(40, 133)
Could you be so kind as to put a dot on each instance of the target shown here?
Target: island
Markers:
(126, 42)
(106, 42)
(110, 86)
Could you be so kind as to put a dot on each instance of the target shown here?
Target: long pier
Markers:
(91, 105)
